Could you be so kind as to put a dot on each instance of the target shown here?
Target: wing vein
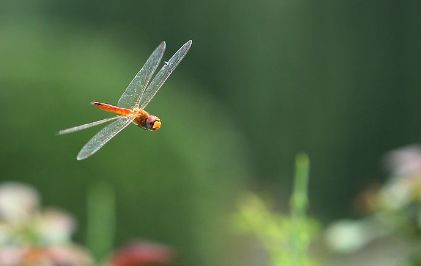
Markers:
(85, 126)
(131, 96)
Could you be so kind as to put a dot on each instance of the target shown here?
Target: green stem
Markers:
(101, 220)
(299, 200)
(299, 204)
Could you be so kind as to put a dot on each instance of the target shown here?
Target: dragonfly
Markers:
(131, 106)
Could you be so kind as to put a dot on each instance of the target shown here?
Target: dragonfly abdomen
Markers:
(111, 108)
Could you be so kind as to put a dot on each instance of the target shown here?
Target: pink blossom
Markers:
(142, 254)
(405, 162)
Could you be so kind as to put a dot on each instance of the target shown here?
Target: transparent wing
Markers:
(131, 95)
(163, 74)
(85, 126)
(103, 136)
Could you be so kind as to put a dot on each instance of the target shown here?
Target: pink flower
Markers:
(11, 256)
(405, 161)
(142, 254)
(405, 185)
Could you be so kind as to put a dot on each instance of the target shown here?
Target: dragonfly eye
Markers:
(153, 122)
(156, 125)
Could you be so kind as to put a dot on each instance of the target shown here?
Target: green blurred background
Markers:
(264, 80)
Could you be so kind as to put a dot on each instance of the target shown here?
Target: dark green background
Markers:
(263, 81)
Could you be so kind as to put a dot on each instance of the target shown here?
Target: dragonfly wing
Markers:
(137, 86)
(163, 74)
(103, 136)
(85, 126)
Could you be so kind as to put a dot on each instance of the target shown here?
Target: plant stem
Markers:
(299, 204)
(101, 220)
(299, 200)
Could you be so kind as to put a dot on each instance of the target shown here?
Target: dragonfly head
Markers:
(153, 123)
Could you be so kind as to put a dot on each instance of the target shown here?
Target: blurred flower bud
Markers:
(11, 256)
(17, 202)
(142, 254)
(367, 201)
(405, 161)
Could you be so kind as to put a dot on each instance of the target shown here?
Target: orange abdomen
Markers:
(111, 108)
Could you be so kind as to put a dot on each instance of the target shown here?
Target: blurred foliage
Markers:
(285, 238)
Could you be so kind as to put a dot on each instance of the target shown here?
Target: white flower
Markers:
(54, 226)
(18, 202)
(405, 162)
(348, 236)
(395, 195)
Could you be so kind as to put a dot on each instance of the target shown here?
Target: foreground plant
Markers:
(286, 238)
